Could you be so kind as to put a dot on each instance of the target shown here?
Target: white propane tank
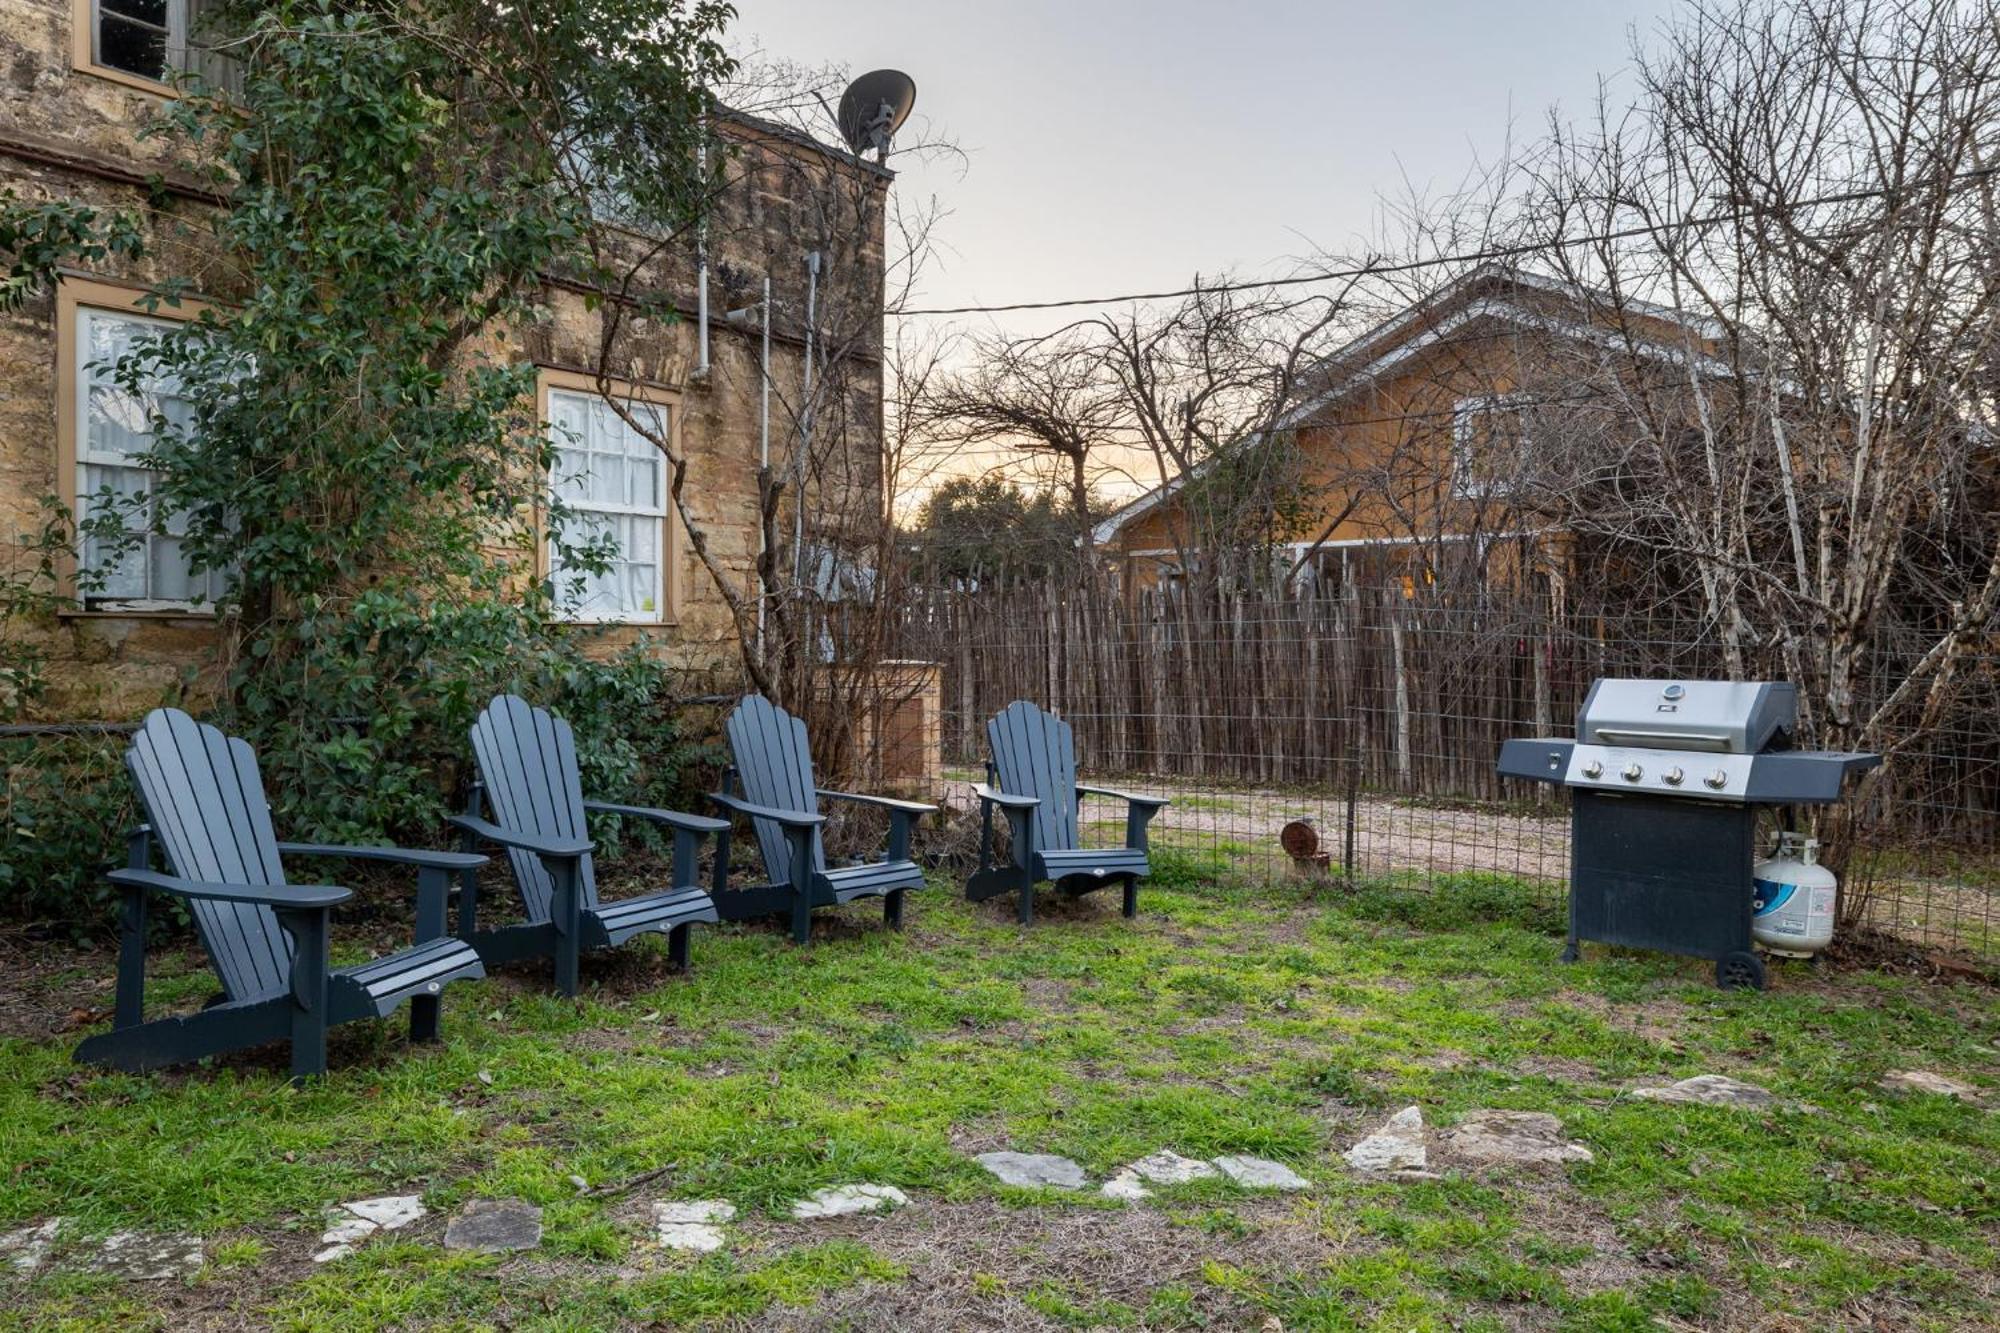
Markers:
(1793, 898)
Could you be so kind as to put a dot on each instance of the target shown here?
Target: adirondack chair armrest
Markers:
(789, 818)
(884, 802)
(402, 856)
(566, 849)
(994, 796)
(672, 818)
(292, 897)
(1150, 802)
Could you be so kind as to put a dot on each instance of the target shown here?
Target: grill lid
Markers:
(1715, 716)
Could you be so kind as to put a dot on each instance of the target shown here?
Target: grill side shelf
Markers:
(1535, 760)
(1805, 777)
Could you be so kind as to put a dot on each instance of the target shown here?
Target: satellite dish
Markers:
(874, 107)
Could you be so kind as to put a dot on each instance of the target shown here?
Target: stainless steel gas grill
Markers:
(1666, 778)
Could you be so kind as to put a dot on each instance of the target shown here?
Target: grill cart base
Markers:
(1650, 872)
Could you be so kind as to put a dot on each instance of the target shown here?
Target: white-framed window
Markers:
(153, 40)
(1489, 445)
(149, 571)
(613, 481)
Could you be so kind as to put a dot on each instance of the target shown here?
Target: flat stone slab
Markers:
(1034, 1170)
(495, 1226)
(1527, 1137)
(147, 1256)
(1397, 1146)
(1257, 1173)
(1711, 1090)
(348, 1224)
(694, 1225)
(1170, 1168)
(1918, 1080)
(842, 1200)
(25, 1249)
(1125, 1185)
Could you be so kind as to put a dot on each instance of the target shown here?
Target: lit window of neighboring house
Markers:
(1489, 445)
(150, 40)
(109, 428)
(612, 479)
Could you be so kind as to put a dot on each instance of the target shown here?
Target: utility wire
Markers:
(1517, 251)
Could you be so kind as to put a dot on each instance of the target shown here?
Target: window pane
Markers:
(132, 47)
(146, 11)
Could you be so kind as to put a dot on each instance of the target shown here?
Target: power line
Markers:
(1516, 251)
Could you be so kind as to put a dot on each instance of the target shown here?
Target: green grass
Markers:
(1231, 1017)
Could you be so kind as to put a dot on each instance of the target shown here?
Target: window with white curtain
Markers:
(612, 480)
(149, 570)
(157, 39)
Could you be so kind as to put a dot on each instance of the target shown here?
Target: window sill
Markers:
(610, 622)
(163, 91)
(144, 613)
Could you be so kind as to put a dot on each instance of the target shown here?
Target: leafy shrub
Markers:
(64, 809)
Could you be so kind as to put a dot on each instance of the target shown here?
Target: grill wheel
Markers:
(1741, 970)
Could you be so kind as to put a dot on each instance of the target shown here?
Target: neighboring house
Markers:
(84, 75)
(1424, 439)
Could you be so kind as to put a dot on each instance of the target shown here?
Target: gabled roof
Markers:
(1363, 361)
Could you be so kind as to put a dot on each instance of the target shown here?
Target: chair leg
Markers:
(308, 930)
(1131, 898)
(569, 927)
(1025, 910)
(802, 918)
(424, 1013)
(892, 909)
(677, 947)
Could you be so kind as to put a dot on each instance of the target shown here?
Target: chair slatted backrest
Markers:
(527, 763)
(774, 764)
(1034, 752)
(205, 801)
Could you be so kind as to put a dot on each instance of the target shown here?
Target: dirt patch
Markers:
(984, 1266)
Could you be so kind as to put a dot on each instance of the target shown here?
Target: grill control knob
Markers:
(1718, 779)
(1633, 772)
(1672, 777)
(1593, 769)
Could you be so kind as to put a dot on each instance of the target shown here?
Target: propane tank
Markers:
(1792, 899)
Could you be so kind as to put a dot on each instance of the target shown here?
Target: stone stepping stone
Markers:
(1164, 1167)
(24, 1250)
(695, 1225)
(1033, 1170)
(1257, 1173)
(1712, 1090)
(842, 1200)
(1937, 1085)
(1526, 1137)
(147, 1256)
(495, 1226)
(348, 1224)
(1397, 1147)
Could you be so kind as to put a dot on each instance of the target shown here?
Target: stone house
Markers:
(82, 77)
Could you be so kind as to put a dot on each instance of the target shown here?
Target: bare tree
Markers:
(1797, 272)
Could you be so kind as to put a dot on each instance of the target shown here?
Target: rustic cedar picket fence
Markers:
(1305, 688)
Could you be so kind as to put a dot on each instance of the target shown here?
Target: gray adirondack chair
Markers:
(267, 939)
(529, 778)
(1032, 779)
(773, 787)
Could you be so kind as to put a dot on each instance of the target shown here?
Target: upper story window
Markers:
(612, 480)
(1490, 446)
(152, 40)
(147, 570)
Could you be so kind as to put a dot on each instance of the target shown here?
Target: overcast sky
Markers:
(1115, 145)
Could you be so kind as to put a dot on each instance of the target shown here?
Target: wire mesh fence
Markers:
(1373, 714)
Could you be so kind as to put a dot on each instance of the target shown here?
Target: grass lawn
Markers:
(1232, 1017)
